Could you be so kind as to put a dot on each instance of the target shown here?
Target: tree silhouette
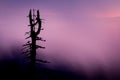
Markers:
(29, 49)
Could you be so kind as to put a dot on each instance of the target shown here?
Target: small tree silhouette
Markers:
(29, 49)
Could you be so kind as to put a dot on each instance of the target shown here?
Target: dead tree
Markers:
(29, 49)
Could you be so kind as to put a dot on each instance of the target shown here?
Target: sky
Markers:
(78, 32)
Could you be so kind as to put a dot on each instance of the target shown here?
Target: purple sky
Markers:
(79, 32)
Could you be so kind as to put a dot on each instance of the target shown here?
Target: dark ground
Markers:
(17, 69)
